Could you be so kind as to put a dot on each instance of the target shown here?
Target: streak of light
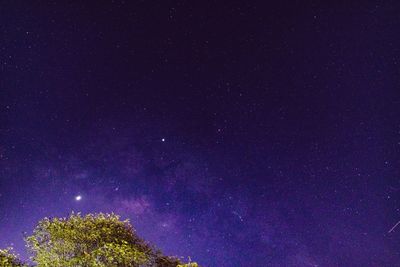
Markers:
(392, 229)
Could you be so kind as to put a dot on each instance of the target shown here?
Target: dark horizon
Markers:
(237, 133)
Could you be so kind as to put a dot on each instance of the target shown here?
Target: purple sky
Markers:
(238, 134)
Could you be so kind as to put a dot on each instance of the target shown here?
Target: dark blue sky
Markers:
(237, 133)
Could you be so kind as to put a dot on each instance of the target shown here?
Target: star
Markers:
(163, 140)
(78, 198)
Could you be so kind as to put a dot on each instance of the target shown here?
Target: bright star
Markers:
(163, 140)
(78, 198)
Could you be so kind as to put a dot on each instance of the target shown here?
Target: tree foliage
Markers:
(94, 240)
(9, 259)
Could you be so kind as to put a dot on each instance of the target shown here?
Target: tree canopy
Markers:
(9, 259)
(93, 240)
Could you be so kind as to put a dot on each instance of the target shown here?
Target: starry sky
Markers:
(235, 132)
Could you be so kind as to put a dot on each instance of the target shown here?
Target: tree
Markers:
(94, 240)
(9, 259)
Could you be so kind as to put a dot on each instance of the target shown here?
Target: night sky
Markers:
(237, 133)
